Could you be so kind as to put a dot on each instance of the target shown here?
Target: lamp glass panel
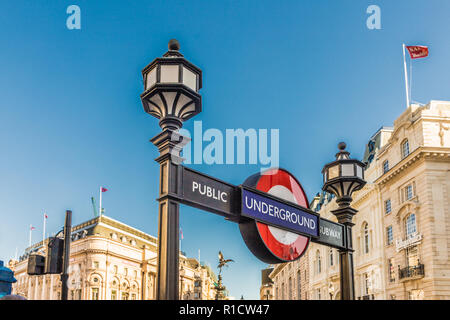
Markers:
(345, 191)
(333, 172)
(189, 79)
(169, 73)
(359, 172)
(151, 78)
(348, 170)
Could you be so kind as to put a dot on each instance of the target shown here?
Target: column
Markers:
(167, 276)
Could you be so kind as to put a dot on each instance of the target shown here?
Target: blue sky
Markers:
(71, 117)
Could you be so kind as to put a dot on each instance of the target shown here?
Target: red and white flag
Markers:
(45, 216)
(32, 228)
(416, 52)
(104, 189)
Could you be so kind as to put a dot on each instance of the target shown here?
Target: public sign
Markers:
(283, 215)
(331, 234)
(271, 209)
(269, 243)
(208, 193)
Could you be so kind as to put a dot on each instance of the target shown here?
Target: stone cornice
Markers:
(421, 152)
(364, 193)
(277, 269)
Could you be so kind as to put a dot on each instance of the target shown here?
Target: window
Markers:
(371, 145)
(410, 226)
(387, 206)
(113, 295)
(366, 284)
(331, 257)
(390, 236)
(318, 294)
(299, 288)
(133, 296)
(409, 192)
(385, 166)
(318, 262)
(366, 238)
(290, 288)
(405, 148)
(276, 293)
(412, 256)
(94, 294)
(124, 295)
(115, 269)
(282, 291)
(391, 270)
(125, 270)
(96, 265)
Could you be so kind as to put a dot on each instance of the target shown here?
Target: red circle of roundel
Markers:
(284, 251)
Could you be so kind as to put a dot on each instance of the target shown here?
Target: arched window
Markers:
(410, 225)
(405, 148)
(366, 237)
(385, 166)
(331, 257)
(318, 262)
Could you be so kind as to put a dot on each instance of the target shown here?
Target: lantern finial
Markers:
(174, 45)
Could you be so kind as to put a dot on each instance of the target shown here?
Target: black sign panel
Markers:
(208, 193)
(331, 234)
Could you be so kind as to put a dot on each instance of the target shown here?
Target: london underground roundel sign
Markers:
(268, 243)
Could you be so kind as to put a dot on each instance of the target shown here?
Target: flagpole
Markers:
(410, 80)
(43, 232)
(29, 242)
(100, 208)
(406, 77)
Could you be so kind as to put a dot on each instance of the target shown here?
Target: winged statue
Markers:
(222, 261)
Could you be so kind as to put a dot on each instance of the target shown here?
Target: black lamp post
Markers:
(171, 95)
(342, 177)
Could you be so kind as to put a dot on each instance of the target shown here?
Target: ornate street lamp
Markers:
(171, 86)
(343, 177)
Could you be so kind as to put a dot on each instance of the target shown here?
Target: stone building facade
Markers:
(266, 289)
(401, 232)
(110, 260)
(414, 183)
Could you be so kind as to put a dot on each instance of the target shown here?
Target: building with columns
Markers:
(401, 234)
(110, 260)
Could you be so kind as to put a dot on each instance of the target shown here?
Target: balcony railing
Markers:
(417, 271)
